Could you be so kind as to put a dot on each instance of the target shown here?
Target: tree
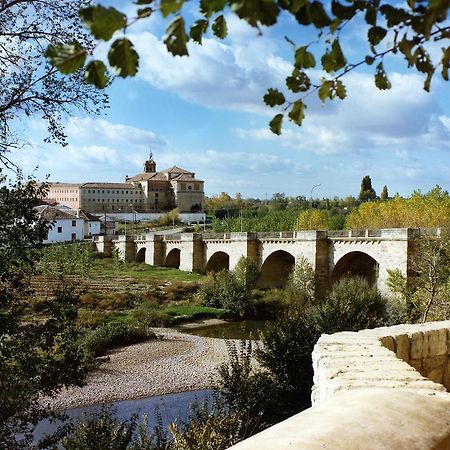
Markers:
(404, 30)
(367, 192)
(313, 219)
(384, 194)
(30, 85)
(37, 357)
(432, 267)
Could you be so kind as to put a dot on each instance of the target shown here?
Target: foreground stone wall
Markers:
(374, 389)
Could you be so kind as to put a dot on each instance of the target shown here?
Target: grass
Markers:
(107, 267)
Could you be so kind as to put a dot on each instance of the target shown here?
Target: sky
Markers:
(205, 113)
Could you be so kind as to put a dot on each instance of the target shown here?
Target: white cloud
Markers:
(217, 74)
(368, 119)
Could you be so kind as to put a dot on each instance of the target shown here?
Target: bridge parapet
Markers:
(366, 395)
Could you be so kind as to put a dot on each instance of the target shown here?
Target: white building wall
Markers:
(65, 230)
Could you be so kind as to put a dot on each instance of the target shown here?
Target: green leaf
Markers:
(123, 58)
(325, 89)
(343, 12)
(198, 29)
(406, 46)
(144, 12)
(381, 80)
(274, 97)
(256, 12)
(176, 37)
(427, 83)
(394, 16)
(103, 22)
(96, 74)
(376, 35)
(445, 61)
(276, 123)
(297, 112)
(298, 81)
(369, 60)
(170, 6)
(340, 90)
(143, 2)
(219, 27)
(304, 59)
(209, 7)
(371, 16)
(67, 58)
(422, 60)
(318, 15)
(333, 60)
(303, 16)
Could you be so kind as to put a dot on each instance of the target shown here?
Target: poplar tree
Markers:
(367, 192)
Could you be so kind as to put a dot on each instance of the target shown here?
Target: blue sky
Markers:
(205, 113)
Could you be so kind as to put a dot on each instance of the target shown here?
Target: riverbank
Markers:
(178, 362)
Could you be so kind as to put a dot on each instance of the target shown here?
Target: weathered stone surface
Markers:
(402, 346)
(365, 396)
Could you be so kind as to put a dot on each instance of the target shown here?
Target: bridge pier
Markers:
(191, 255)
(126, 248)
(154, 254)
(104, 245)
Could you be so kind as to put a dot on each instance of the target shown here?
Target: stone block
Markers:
(433, 362)
(437, 342)
(416, 363)
(388, 342)
(402, 347)
(446, 376)
(416, 345)
(436, 375)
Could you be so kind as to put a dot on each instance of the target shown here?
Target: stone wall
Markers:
(368, 394)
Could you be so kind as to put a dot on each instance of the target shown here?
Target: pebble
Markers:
(178, 362)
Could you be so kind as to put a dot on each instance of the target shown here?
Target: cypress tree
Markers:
(367, 192)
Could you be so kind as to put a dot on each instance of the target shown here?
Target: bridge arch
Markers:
(356, 264)
(140, 255)
(173, 258)
(275, 269)
(217, 262)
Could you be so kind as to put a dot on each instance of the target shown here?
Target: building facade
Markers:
(149, 191)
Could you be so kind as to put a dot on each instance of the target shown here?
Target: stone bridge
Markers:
(333, 254)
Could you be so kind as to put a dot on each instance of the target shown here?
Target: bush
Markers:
(223, 290)
(352, 305)
(148, 315)
(97, 342)
(300, 287)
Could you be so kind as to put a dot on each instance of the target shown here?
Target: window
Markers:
(156, 195)
(74, 223)
(59, 229)
(74, 236)
(189, 188)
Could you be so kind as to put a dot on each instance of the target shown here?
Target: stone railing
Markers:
(374, 389)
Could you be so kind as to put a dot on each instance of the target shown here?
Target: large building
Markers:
(149, 191)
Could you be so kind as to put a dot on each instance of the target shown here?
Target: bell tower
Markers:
(150, 165)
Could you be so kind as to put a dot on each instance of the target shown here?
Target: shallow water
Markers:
(245, 329)
(173, 407)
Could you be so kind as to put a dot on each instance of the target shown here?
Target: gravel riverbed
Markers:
(177, 362)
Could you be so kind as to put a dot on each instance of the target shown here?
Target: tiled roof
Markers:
(60, 184)
(149, 176)
(52, 213)
(186, 177)
(176, 169)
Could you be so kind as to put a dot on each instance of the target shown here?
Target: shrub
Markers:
(352, 305)
(300, 287)
(97, 342)
(147, 315)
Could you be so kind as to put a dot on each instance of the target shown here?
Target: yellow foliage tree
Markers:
(430, 210)
(313, 219)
